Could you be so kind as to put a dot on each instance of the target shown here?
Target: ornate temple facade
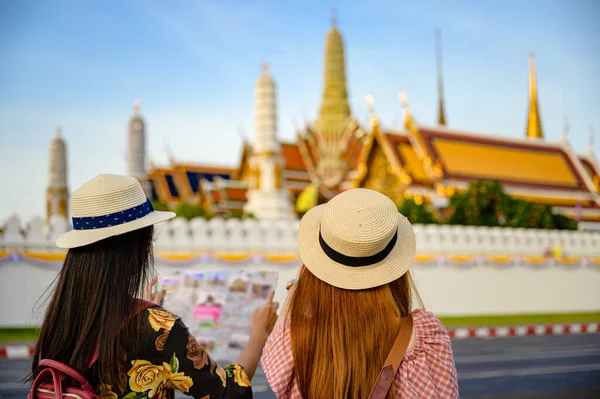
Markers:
(335, 153)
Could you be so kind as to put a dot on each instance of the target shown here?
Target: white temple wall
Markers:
(468, 286)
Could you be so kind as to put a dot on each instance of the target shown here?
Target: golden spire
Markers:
(334, 115)
(534, 123)
(438, 55)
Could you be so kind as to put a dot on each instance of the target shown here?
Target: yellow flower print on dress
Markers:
(161, 319)
(152, 380)
(105, 392)
(146, 377)
(239, 375)
(176, 379)
(223, 375)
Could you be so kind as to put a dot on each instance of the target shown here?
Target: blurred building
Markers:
(335, 153)
(57, 193)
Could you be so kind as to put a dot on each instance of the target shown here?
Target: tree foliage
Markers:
(486, 204)
(159, 205)
(190, 211)
(415, 213)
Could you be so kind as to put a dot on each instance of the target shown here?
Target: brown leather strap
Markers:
(393, 360)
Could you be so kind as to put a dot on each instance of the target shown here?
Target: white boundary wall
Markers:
(446, 289)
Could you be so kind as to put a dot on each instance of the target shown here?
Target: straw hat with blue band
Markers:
(107, 206)
(357, 240)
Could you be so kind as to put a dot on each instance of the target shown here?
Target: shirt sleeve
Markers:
(194, 373)
(438, 351)
(277, 360)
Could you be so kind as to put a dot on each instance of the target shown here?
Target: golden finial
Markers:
(403, 98)
(532, 80)
(565, 133)
(370, 100)
(265, 67)
(169, 153)
(438, 53)
(151, 163)
(534, 123)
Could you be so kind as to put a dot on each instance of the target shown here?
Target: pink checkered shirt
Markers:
(426, 372)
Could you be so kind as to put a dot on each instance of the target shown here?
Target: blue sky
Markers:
(193, 65)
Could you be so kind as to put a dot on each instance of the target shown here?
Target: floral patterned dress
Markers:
(173, 359)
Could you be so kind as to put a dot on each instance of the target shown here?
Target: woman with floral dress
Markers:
(127, 348)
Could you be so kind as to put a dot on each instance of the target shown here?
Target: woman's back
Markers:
(427, 370)
(352, 301)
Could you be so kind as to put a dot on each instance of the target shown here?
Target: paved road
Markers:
(550, 367)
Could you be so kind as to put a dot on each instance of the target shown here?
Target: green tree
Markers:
(486, 204)
(159, 205)
(416, 213)
(190, 211)
(239, 214)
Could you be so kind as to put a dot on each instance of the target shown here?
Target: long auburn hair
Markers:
(91, 302)
(340, 338)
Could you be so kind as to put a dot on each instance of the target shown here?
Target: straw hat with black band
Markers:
(358, 240)
(107, 206)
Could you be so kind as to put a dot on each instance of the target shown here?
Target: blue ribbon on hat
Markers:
(113, 219)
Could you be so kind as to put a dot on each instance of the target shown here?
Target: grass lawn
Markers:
(520, 319)
(8, 335)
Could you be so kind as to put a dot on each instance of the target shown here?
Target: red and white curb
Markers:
(26, 351)
(523, 331)
(17, 351)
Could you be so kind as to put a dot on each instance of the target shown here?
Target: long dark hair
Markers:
(92, 299)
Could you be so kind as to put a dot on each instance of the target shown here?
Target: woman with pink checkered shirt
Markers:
(348, 329)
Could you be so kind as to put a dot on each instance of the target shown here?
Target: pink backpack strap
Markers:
(66, 370)
(138, 307)
(56, 381)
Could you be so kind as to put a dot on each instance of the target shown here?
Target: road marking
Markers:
(12, 385)
(12, 373)
(478, 375)
(507, 357)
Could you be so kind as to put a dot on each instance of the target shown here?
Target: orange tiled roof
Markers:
(352, 156)
(293, 158)
(236, 194)
(517, 163)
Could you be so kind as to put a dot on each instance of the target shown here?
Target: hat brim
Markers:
(80, 238)
(394, 266)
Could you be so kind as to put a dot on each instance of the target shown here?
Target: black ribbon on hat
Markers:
(357, 261)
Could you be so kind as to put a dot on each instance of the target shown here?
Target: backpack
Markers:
(55, 389)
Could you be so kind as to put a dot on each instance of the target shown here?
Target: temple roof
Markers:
(293, 158)
(461, 156)
(406, 157)
(223, 196)
(593, 171)
(182, 181)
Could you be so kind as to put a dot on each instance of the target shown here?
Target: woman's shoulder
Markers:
(426, 321)
(156, 319)
(429, 332)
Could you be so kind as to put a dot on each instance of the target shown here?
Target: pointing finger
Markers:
(269, 301)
